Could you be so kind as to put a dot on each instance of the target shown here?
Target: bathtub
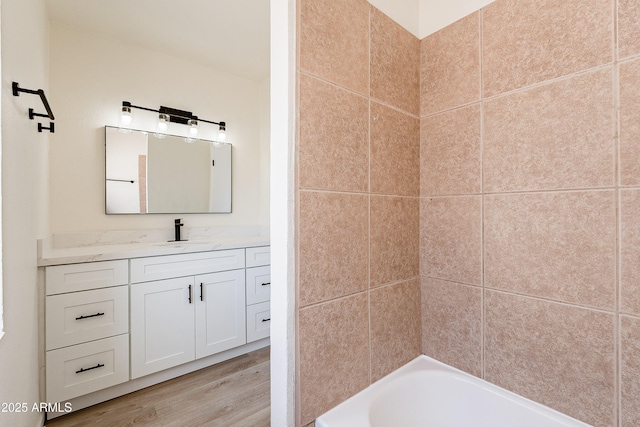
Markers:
(428, 393)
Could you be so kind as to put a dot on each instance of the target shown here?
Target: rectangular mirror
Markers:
(146, 174)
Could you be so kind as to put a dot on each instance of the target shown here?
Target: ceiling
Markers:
(227, 35)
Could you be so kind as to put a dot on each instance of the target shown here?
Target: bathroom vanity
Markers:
(118, 318)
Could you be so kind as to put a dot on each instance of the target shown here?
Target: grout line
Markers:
(542, 83)
(370, 328)
(483, 317)
(618, 249)
(331, 83)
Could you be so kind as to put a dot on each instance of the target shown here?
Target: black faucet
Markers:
(178, 224)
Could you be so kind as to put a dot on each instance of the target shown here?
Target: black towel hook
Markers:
(16, 92)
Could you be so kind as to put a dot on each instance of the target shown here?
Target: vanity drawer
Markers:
(78, 317)
(82, 277)
(258, 256)
(258, 282)
(258, 321)
(169, 266)
(85, 368)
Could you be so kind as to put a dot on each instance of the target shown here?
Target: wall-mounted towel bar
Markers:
(121, 180)
(16, 92)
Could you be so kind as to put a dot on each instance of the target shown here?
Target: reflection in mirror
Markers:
(145, 174)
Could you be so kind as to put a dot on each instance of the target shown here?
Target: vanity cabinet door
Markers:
(162, 328)
(220, 312)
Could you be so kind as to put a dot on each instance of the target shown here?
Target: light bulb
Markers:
(193, 128)
(163, 123)
(222, 133)
(125, 116)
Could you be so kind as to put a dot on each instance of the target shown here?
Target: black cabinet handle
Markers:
(266, 320)
(189, 294)
(99, 365)
(88, 317)
(201, 294)
(266, 284)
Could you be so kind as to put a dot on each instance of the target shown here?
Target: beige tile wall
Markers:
(530, 202)
(474, 196)
(358, 203)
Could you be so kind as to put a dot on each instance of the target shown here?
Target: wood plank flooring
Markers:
(235, 393)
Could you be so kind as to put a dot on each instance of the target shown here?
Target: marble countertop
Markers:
(51, 254)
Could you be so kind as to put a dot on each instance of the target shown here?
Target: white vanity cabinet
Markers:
(258, 280)
(177, 320)
(115, 326)
(87, 326)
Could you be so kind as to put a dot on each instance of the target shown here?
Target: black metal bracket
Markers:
(16, 92)
(51, 127)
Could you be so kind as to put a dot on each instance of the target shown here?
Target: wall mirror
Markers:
(145, 174)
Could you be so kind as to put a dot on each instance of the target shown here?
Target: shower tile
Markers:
(452, 324)
(334, 353)
(560, 246)
(395, 239)
(628, 28)
(559, 135)
(629, 257)
(395, 64)
(334, 41)
(395, 152)
(630, 371)
(334, 237)
(450, 239)
(450, 66)
(450, 152)
(630, 123)
(526, 42)
(334, 137)
(395, 327)
(559, 355)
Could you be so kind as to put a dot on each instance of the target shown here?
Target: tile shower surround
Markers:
(495, 228)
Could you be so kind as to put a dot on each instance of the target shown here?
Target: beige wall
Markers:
(358, 187)
(90, 77)
(24, 202)
(529, 200)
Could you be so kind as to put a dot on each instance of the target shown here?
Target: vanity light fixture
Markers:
(168, 115)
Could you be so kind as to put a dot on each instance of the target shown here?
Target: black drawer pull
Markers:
(88, 317)
(99, 365)
(190, 294)
(266, 284)
(266, 320)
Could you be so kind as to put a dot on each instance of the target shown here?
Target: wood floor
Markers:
(234, 393)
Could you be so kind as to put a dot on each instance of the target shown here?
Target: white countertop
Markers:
(48, 254)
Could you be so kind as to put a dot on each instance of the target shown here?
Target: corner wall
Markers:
(530, 198)
(24, 203)
(357, 198)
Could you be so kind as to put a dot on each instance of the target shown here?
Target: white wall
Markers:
(24, 201)
(424, 17)
(90, 76)
(404, 12)
(437, 14)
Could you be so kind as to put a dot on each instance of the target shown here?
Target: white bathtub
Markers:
(428, 393)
